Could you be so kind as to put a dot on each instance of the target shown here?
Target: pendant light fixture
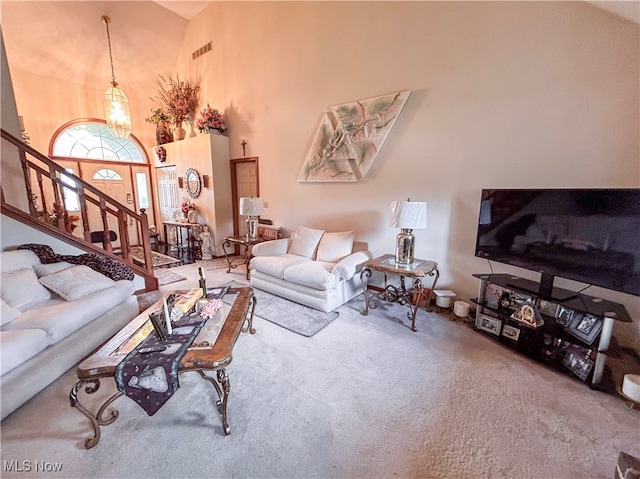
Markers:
(116, 103)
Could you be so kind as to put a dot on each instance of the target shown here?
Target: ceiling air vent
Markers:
(202, 50)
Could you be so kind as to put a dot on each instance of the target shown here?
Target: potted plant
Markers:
(179, 98)
(211, 121)
(162, 120)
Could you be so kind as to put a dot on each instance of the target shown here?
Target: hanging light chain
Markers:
(106, 21)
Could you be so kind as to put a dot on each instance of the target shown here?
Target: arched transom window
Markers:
(107, 174)
(93, 140)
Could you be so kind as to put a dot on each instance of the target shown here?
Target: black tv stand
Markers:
(549, 297)
(573, 336)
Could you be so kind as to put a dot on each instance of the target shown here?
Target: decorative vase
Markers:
(163, 135)
(185, 216)
(192, 216)
(179, 133)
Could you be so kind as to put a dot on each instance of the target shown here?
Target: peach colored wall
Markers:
(10, 166)
(505, 94)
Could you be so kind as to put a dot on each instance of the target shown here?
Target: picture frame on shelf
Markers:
(577, 364)
(489, 324)
(585, 327)
(564, 316)
(511, 332)
(547, 308)
(492, 295)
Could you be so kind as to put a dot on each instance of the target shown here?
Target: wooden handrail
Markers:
(50, 177)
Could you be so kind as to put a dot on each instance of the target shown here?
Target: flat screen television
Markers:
(587, 235)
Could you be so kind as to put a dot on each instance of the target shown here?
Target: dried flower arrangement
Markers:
(179, 98)
(210, 119)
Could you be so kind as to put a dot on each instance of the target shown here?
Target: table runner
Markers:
(151, 379)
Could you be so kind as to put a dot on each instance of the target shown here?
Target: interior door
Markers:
(244, 178)
(167, 178)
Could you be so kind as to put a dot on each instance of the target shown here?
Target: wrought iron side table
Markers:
(416, 271)
(245, 243)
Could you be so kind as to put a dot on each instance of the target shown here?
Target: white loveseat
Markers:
(43, 334)
(318, 269)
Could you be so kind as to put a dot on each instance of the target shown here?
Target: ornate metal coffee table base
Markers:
(103, 363)
(96, 421)
(221, 386)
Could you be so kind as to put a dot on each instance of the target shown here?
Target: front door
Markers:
(115, 181)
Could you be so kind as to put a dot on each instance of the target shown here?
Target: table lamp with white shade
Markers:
(407, 215)
(251, 208)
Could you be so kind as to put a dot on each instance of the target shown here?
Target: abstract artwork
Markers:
(350, 137)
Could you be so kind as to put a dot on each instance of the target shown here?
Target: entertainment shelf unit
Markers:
(570, 332)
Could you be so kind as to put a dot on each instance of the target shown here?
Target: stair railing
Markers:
(47, 187)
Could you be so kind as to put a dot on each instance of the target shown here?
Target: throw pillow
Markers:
(305, 241)
(47, 269)
(76, 282)
(20, 289)
(8, 314)
(335, 246)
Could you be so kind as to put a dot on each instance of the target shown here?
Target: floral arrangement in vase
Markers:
(210, 120)
(189, 210)
(187, 205)
(179, 98)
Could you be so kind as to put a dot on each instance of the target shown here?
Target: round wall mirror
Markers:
(192, 183)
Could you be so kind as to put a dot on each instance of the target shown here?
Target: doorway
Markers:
(244, 182)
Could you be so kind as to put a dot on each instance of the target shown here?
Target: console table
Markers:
(417, 271)
(192, 246)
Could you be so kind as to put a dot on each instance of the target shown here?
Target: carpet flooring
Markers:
(363, 398)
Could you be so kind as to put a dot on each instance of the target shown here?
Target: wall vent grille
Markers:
(202, 50)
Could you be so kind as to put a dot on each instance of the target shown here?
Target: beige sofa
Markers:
(45, 333)
(312, 267)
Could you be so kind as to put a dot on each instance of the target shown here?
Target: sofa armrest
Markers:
(271, 248)
(350, 265)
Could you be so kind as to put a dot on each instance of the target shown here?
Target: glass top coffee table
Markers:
(204, 354)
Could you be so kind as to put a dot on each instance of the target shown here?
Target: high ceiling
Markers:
(42, 37)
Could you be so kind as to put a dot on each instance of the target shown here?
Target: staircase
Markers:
(45, 185)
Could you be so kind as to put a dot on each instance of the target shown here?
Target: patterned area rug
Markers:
(166, 276)
(158, 259)
(216, 263)
(287, 314)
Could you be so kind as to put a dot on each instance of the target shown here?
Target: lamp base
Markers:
(404, 247)
(252, 227)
